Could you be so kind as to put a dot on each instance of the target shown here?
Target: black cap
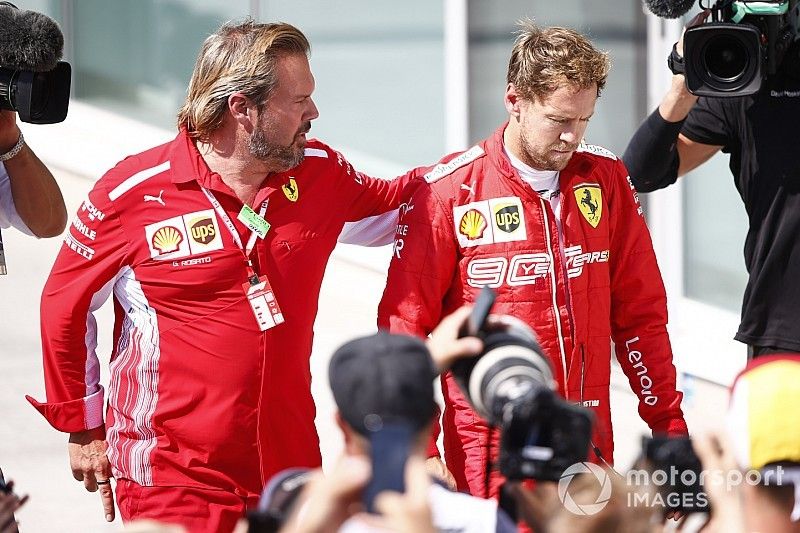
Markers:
(383, 378)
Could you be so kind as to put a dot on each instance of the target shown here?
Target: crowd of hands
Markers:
(329, 499)
(332, 498)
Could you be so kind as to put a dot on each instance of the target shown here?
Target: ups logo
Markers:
(203, 231)
(507, 218)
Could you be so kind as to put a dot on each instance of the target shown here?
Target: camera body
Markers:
(742, 44)
(33, 82)
(510, 384)
(277, 500)
(37, 97)
(675, 457)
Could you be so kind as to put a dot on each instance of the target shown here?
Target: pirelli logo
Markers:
(78, 247)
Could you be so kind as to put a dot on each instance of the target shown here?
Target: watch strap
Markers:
(675, 61)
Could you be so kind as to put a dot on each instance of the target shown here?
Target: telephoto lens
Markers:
(511, 366)
(511, 386)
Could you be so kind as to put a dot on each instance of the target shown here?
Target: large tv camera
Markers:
(742, 43)
(33, 82)
(511, 386)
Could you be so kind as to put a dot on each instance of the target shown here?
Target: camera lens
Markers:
(511, 367)
(725, 58)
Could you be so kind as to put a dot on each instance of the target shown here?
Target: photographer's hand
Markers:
(37, 197)
(679, 101)
(675, 107)
(444, 344)
(715, 454)
(89, 463)
(436, 468)
(698, 19)
(538, 505)
(9, 132)
(328, 500)
(409, 512)
(9, 503)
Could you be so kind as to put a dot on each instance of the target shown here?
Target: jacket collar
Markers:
(188, 165)
(495, 151)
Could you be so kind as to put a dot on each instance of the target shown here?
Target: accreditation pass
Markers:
(263, 303)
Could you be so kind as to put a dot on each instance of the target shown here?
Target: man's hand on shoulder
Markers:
(89, 463)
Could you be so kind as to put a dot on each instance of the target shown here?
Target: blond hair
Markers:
(236, 58)
(543, 59)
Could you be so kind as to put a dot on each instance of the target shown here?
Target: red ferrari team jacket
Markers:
(471, 222)
(198, 395)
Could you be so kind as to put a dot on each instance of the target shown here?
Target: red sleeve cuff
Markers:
(74, 415)
(672, 427)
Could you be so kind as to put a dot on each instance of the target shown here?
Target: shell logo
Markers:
(167, 239)
(472, 224)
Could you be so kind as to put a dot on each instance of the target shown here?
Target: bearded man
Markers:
(214, 247)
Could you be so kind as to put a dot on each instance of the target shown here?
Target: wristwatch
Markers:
(675, 61)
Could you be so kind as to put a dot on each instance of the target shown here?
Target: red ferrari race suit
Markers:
(199, 395)
(472, 222)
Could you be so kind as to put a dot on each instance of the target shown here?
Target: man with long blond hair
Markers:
(214, 246)
(553, 225)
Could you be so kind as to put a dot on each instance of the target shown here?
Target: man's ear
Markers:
(512, 100)
(243, 110)
(344, 427)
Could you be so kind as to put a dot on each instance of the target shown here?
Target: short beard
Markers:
(543, 162)
(283, 157)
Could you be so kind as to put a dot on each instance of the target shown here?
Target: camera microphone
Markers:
(29, 40)
(669, 9)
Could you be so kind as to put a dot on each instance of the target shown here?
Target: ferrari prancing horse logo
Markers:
(290, 190)
(590, 202)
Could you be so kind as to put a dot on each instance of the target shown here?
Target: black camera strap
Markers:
(3, 270)
(675, 61)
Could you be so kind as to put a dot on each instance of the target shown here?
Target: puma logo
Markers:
(149, 198)
(468, 188)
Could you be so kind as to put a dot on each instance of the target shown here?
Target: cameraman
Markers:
(761, 134)
(30, 199)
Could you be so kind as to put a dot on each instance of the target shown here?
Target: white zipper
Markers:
(554, 287)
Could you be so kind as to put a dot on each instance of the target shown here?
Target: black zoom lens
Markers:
(38, 97)
(725, 58)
